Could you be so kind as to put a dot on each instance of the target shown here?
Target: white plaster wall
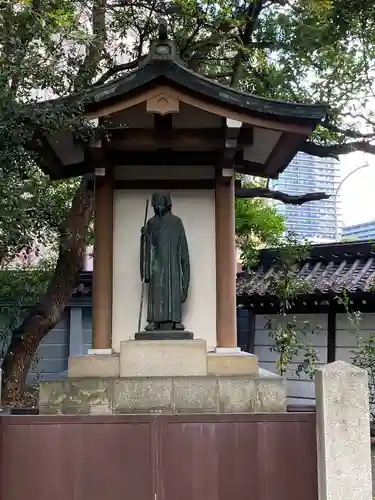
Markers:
(301, 390)
(348, 334)
(197, 211)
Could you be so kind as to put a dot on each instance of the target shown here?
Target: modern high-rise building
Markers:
(318, 221)
(363, 231)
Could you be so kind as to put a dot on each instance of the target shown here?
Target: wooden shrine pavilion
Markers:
(162, 126)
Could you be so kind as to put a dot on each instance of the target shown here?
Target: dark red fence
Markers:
(195, 457)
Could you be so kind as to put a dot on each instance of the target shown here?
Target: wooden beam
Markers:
(164, 136)
(165, 158)
(309, 304)
(76, 169)
(250, 167)
(165, 184)
(159, 158)
(283, 153)
(162, 123)
(231, 130)
(49, 161)
(237, 135)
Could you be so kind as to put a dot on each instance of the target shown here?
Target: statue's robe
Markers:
(166, 268)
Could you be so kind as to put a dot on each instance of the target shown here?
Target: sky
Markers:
(357, 193)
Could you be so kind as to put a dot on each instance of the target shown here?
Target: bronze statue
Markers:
(165, 266)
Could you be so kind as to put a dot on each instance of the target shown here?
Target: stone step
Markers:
(94, 365)
(164, 358)
(170, 395)
(237, 363)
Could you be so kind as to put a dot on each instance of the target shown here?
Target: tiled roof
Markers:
(175, 72)
(330, 268)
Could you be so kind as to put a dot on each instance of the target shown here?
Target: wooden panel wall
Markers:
(53, 352)
(189, 457)
(75, 458)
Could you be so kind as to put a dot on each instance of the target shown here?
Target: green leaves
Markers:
(290, 342)
(363, 355)
(20, 289)
(304, 51)
(290, 336)
(258, 225)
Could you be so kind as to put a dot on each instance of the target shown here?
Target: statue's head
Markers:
(161, 203)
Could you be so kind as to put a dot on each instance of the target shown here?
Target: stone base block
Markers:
(237, 363)
(82, 395)
(271, 393)
(169, 395)
(95, 365)
(163, 358)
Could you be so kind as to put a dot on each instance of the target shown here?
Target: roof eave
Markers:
(176, 74)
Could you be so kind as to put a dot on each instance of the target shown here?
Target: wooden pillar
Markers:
(103, 264)
(226, 264)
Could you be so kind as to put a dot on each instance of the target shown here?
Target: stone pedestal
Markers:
(170, 395)
(164, 376)
(163, 358)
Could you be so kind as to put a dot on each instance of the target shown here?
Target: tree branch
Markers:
(16, 46)
(334, 150)
(259, 192)
(361, 116)
(253, 13)
(116, 69)
(201, 49)
(347, 132)
(95, 49)
(214, 76)
(42, 318)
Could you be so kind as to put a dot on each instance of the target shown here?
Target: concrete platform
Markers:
(163, 358)
(94, 365)
(170, 395)
(237, 363)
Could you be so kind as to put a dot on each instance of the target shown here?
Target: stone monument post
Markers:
(343, 432)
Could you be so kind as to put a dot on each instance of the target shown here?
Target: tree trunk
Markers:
(46, 315)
